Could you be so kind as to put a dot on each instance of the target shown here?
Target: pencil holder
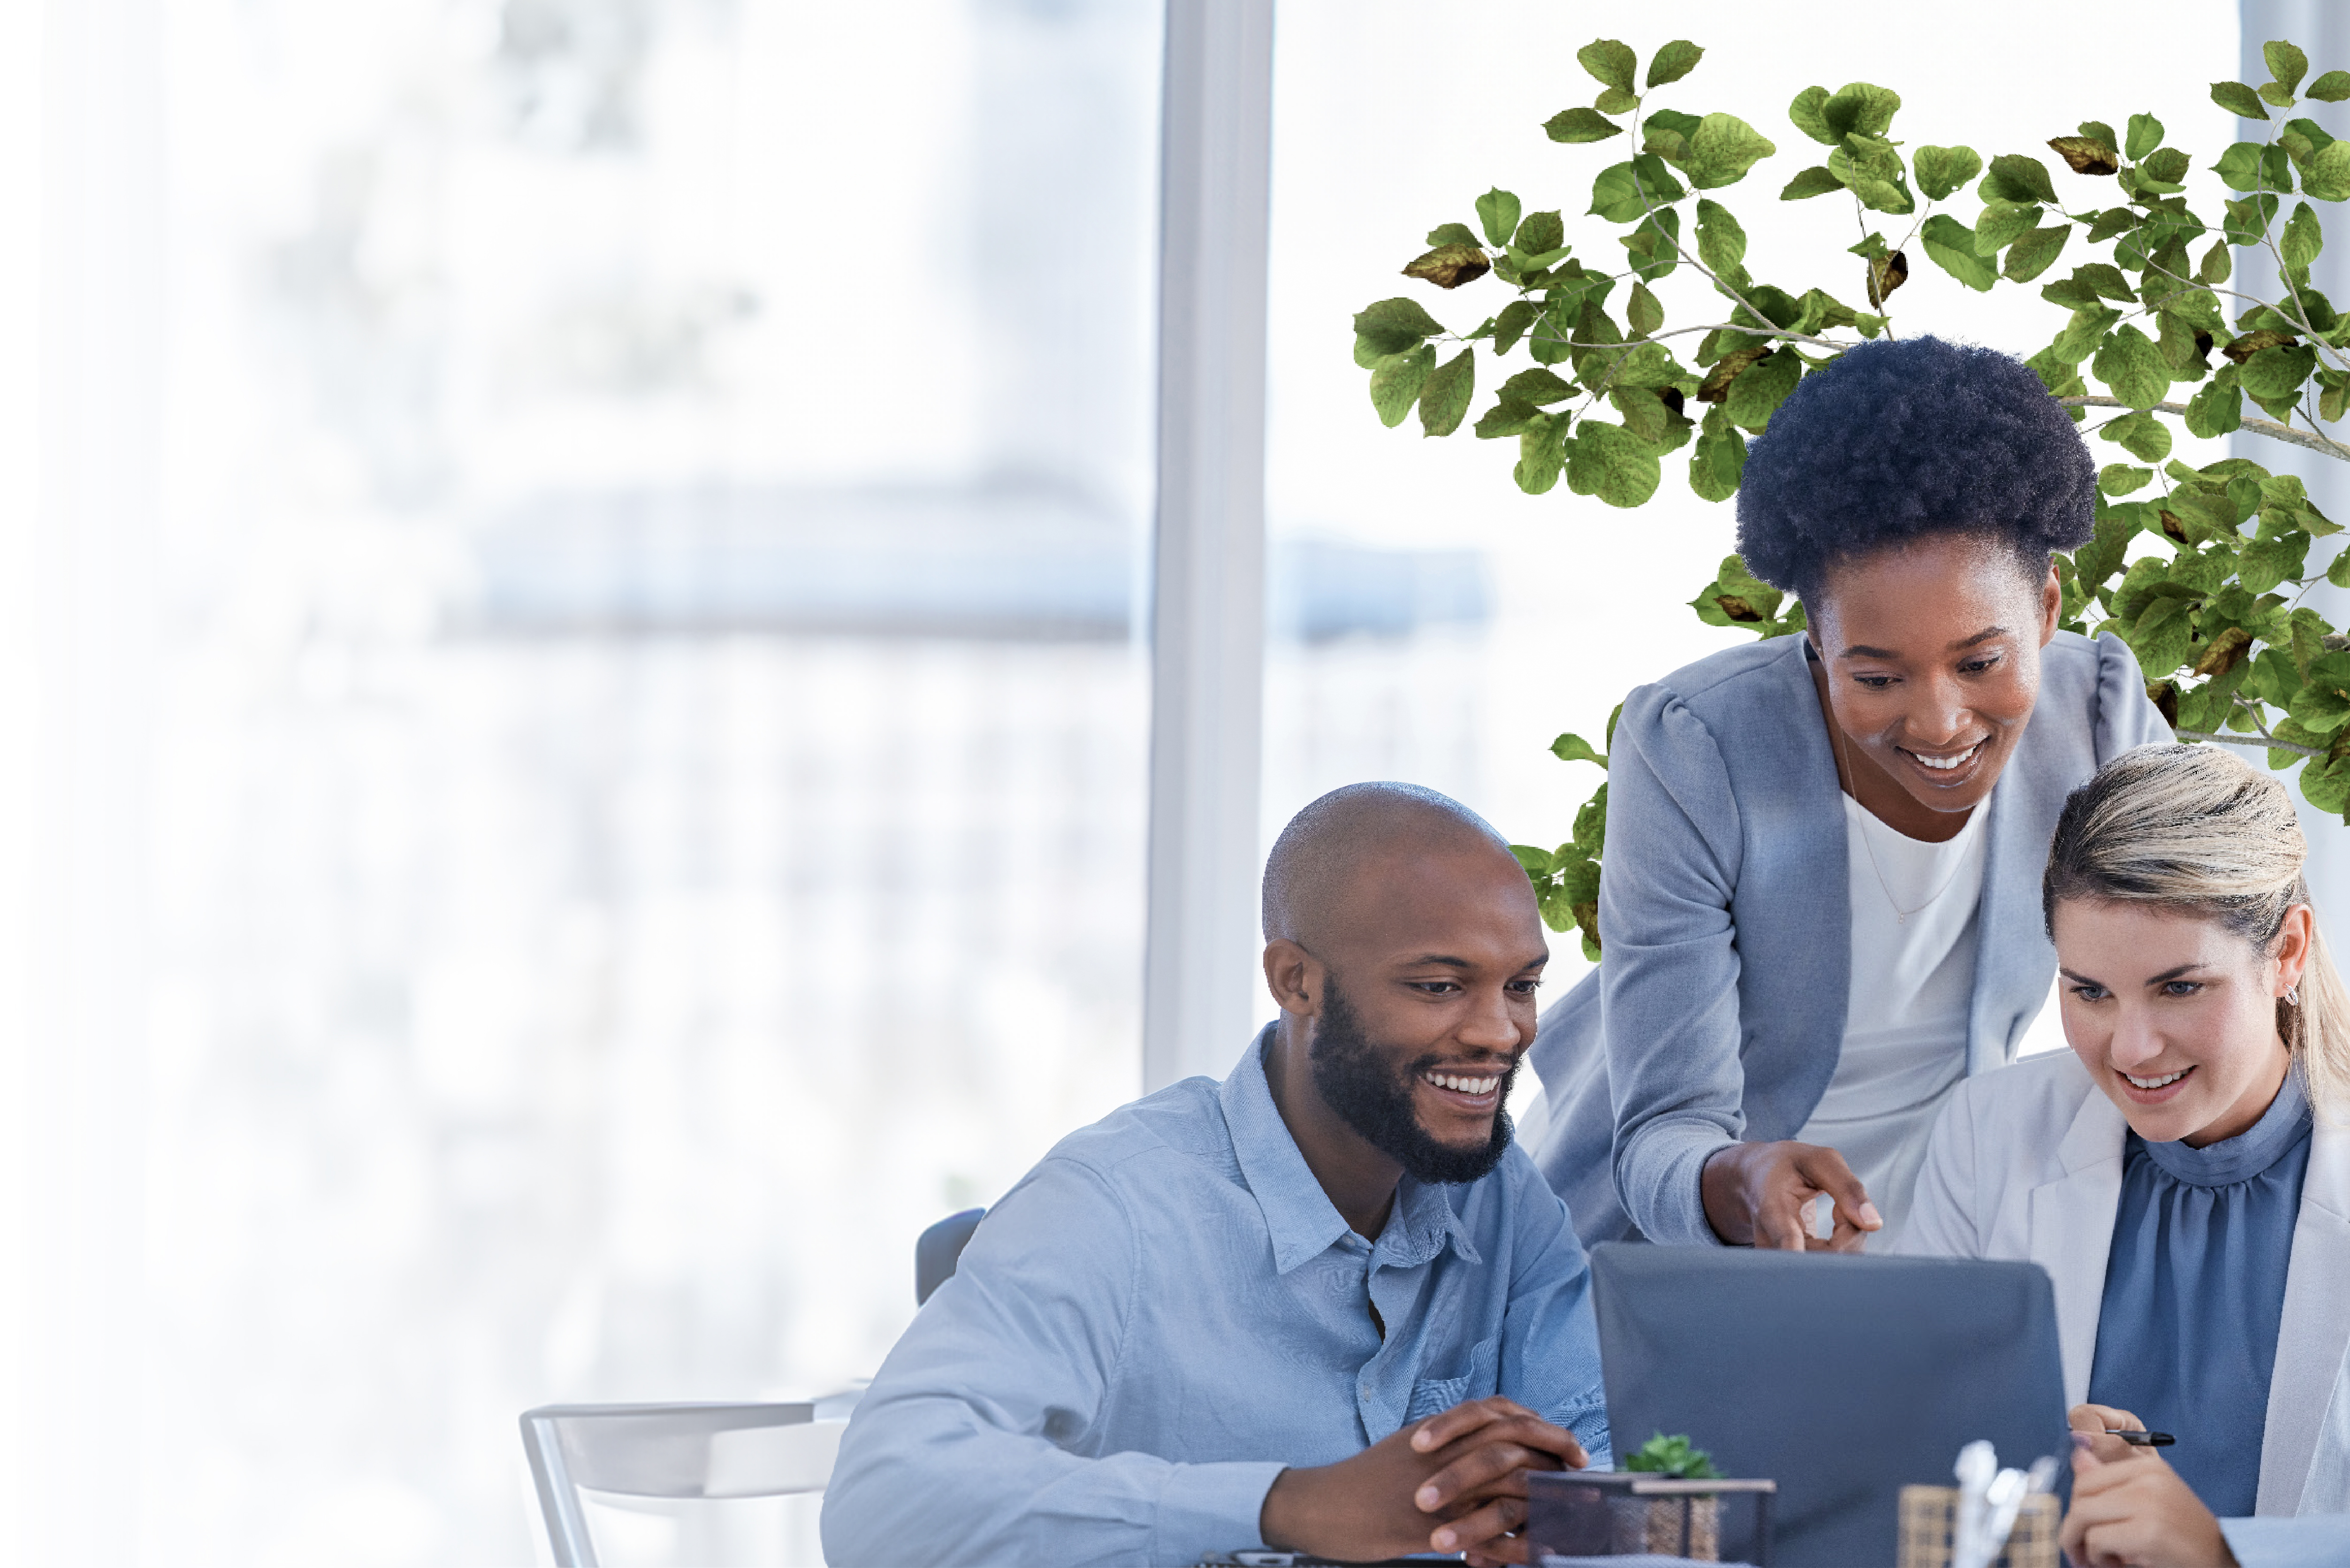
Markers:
(1928, 1517)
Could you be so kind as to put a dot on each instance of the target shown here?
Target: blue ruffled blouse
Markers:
(2186, 1336)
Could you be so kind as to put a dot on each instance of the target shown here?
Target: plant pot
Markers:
(1668, 1526)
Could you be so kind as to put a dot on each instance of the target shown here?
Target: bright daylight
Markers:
(1140, 784)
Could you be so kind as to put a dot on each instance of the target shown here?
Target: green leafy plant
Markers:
(2212, 610)
(1673, 1457)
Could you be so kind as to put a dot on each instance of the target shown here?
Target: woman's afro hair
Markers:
(1896, 442)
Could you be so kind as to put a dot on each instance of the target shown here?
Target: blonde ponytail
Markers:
(2198, 830)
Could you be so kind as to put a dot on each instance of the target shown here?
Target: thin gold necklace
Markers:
(1844, 762)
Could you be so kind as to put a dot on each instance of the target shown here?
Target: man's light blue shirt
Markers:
(1167, 1311)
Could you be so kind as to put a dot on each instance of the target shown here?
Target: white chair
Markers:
(701, 1451)
(690, 1450)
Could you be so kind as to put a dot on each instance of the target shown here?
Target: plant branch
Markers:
(1715, 278)
(1828, 343)
(2254, 743)
(2269, 428)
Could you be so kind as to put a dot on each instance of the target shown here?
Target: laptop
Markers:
(1842, 1378)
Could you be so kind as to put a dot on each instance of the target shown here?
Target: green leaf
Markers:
(2161, 637)
(1942, 169)
(1761, 388)
(1736, 599)
(1575, 748)
(1653, 248)
(1541, 233)
(2267, 562)
(2323, 705)
(1591, 835)
(1649, 365)
(2238, 99)
(2302, 239)
(2104, 280)
(1666, 133)
(2286, 63)
(1511, 324)
(2327, 176)
(1396, 324)
(1617, 195)
(2032, 255)
(2083, 334)
(2216, 266)
(1451, 234)
(1580, 124)
(2132, 367)
(1861, 107)
(2238, 168)
(1817, 181)
(1508, 417)
(2215, 410)
(1721, 241)
(2303, 139)
(1719, 460)
(1497, 211)
(1537, 387)
(1612, 463)
(1673, 62)
(2331, 87)
(2000, 223)
(2142, 435)
(1542, 453)
(1806, 114)
(2145, 136)
(2166, 165)
(1870, 168)
(1611, 63)
(1444, 398)
(2275, 374)
(1615, 100)
(1952, 245)
(1396, 383)
(1722, 149)
(2015, 177)
(1641, 311)
(2120, 477)
(1644, 414)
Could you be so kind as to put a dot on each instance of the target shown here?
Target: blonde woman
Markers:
(2169, 1172)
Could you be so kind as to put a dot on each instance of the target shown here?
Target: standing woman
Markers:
(1824, 852)
(2167, 1171)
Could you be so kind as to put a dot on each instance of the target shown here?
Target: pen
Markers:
(2137, 1440)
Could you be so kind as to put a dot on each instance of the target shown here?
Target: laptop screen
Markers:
(1841, 1377)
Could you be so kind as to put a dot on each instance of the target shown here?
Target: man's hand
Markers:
(1761, 1195)
(2137, 1515)
(2096, 1424)
(1454, 1482)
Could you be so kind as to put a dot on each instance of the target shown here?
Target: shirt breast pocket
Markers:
(1481, 1377)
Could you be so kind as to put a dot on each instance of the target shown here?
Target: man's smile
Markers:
(1476, 1091)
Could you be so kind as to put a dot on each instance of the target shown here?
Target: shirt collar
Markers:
(2248, 1154)
(1298, 1215)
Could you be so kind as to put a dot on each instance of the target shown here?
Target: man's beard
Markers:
(1353, 1078)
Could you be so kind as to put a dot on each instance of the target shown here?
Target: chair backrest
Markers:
(937, 1249)
(690, 1450)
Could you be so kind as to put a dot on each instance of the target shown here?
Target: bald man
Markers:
(1323, 1306)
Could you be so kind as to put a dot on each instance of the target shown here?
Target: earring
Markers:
(2292, 996)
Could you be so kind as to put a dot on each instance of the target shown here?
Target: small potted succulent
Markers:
(1685, 1526)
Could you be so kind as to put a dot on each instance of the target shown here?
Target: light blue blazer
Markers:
(1717, 1011)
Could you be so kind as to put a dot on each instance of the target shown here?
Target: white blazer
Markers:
(2025, 1163)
